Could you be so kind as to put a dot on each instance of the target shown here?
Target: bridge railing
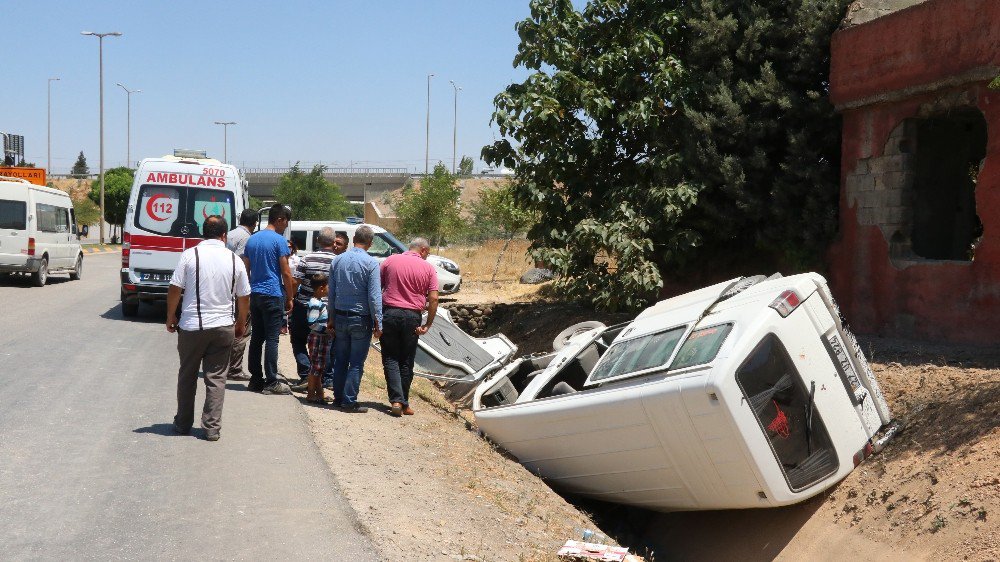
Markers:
(362, 172)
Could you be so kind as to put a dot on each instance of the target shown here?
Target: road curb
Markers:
(101, 249)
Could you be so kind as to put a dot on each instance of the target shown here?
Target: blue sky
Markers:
(337, 82)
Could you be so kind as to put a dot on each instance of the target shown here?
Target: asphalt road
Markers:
(90, 467)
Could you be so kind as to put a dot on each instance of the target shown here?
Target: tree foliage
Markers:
(498, 212)
(432, 209)
(671, 137)
(87, 212)
(465, 166)
(311, 196)
(117, 189)
(80, 168)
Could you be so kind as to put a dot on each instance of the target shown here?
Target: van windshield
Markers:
(385, 244)
(637, 354)
(181, 211)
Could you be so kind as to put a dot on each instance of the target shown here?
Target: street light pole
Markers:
(454, 132)
(128, 123)
(48, 165)
(427, 143)
(225, 138)
(100, 56)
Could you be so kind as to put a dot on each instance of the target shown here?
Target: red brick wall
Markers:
(887, 65)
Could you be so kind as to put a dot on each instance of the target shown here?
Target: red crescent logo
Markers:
(204, 211)
(149, 207)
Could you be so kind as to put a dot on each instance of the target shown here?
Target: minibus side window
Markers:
(52, 218)
(781, 402)
(13, 215)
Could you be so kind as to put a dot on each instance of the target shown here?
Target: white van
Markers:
(171, 198)
(304, 235)
(37, 231)
(749, 393)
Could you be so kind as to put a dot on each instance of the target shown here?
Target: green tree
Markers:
(87, 212)
(25, 164)
(117, 189)
(498, 211)
(431, 210)
(311, 196)
(465, 166)
(80, 168)
(679, 137)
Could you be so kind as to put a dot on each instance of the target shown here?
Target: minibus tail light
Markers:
(126, 248)
(31, 246)
(786, 302)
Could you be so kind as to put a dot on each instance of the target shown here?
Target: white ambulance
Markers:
(171, 198)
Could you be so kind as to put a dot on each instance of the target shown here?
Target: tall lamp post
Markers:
(454, 131)
(128, 123)
(225, 138)
(427, 142)
(48, 165)
(100, 56)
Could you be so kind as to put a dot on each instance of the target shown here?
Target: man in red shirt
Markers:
(409, 285)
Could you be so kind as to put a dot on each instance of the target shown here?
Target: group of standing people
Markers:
(336, 300)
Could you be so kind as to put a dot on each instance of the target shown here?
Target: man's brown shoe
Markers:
(396, 409)
(407, 411)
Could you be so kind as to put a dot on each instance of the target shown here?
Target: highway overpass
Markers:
(357, 184)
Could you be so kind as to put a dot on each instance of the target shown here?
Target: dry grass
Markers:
(477, 262)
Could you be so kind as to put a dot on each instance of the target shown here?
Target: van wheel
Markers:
(77, 270)
(40, 277)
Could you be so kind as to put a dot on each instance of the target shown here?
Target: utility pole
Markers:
(225, 138)
(48, 165)
(100, 54)
(427, 144)
(128, 124)
(454, 131)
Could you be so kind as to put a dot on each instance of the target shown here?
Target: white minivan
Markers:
(304, 235)
(170, 200)
(37, 231)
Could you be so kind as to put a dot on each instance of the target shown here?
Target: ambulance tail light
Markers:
(126, 249)
(786, 303)
(31, 246)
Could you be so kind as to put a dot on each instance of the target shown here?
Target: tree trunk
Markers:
(496, 267)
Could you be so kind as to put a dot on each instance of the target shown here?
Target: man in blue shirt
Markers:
(355, 314)
(271, 293)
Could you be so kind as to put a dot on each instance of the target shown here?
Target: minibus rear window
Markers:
(786, 412)
(181, 211)
(13, 215)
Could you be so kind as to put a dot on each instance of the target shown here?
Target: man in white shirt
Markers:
(236, 240)
(216, 301)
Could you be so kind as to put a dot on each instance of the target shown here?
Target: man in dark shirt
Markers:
(271, 294)
(317, 263)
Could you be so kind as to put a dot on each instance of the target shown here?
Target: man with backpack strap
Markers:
(213, 311)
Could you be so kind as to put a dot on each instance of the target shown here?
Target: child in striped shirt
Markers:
(319, 341)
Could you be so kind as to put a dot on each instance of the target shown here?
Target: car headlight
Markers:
(449, 266)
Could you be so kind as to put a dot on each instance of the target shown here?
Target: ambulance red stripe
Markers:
(161, 243)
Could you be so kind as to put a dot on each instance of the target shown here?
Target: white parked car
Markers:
(37, 231)
(748, 393)
(304, 235)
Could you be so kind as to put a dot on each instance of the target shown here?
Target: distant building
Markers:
(918, 253)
